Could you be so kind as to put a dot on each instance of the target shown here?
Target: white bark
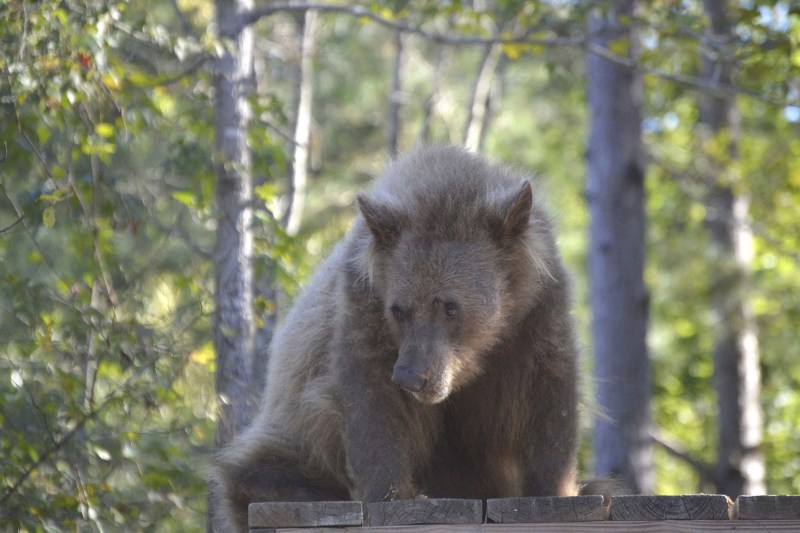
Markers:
(740, 465)
(234, 327)
(479, 102)
(302, 129)
(429, 107)
(395, 97)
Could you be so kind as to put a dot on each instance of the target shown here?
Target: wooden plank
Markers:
(424, 511)
(689, 507)
(768, 507)
(663, 526)
(546, 509)
(304, 514)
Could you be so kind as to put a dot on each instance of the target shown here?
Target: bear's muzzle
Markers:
(408, 379)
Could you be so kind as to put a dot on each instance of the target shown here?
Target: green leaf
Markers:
(266, 191)
(61, 15)
(43, 132)
(187, 198)
(49, 217)
(619, 46)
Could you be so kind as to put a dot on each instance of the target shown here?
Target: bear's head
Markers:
(448, 274)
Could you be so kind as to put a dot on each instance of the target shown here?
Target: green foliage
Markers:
(103, 300)
(682, 265)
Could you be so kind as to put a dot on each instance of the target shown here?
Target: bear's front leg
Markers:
(550, 446)
(387, 434)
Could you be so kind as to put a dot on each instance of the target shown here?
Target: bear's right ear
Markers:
(382, 220)
(516, 211)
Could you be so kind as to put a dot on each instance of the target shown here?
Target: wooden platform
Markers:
(689, 513)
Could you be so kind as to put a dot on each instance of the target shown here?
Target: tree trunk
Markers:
(478, 116)
(429, 107)
(234, 328)
(297, 181)
(737, 375)
(619, 300)
(302, 126)
(395, 97)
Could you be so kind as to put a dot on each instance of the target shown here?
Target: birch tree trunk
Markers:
(297, 181)
(233, 328)
(740, 465)
(302, 126)
(619, 300)
(429, 107)
(395, 97)
(478, 115)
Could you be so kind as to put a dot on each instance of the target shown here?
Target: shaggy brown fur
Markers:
(431, 354)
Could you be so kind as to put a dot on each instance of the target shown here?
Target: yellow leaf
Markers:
(512, 51)
(49, 217)
(104, 129)
(796, 58)
(111, 82)
(203, 355)
(619, 46)
(164, 101)
(139, 79)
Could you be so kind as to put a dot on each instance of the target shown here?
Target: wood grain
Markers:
(547, 509)
(689, 507)
(304, 514)
(663, 526)
(768, 507)
(424, 511)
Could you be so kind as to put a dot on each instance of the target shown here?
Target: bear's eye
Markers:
(398, 312)
(451, 309)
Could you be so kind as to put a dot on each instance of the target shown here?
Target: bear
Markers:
(432, 354)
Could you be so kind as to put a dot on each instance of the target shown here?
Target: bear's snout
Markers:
(408, 379)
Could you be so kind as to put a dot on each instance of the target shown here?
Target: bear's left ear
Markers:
(515, 211)
(383, 221)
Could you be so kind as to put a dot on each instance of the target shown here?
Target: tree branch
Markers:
(714, 88)
(57, 445)
(254, 15)
(11, 226)
(19, 218)
(676, 450)
(583, 42)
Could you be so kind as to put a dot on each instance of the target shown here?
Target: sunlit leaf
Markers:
(203, 355)
(104, 129)
(49, 217)
(187, 198)
(620, 46)
(111, 81)
(43, 132)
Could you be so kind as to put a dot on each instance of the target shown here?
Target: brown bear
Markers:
(432, 353)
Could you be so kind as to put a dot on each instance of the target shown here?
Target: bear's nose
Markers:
(408, 379)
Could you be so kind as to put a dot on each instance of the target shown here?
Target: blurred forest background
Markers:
(113, 192)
